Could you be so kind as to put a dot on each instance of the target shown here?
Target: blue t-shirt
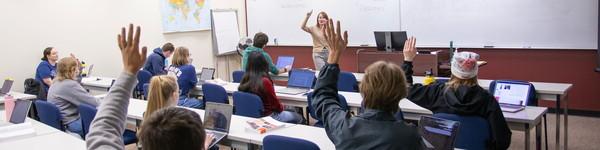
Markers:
(186, 77)
(45, 70)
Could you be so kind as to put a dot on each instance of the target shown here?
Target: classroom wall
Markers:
(541, 65)
(89, 28)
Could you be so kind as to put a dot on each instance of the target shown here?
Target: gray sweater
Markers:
(67, 95)
(106, 131)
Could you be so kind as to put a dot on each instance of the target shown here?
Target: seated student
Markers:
(382, 88)
(46, 70)
(461, 95)
(155, 64)
(161, 130)
(186, 77)
(67, 94)
(257, 80)
(260, 41)
(163, 92)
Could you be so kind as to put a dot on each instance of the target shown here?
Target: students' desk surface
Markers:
(101, 82)
(237, 130)
(46, 138)
(18, 95)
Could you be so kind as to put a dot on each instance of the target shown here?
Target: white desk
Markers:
(46, 138)
(101, 84)
(18, 95)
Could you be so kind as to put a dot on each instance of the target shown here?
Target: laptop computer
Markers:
(6, 87)
(300, 81)
(89, 72)
(205, 74)
(283, 61)
(438, 133)
(511, 96)
(20, 111)
(217, 119)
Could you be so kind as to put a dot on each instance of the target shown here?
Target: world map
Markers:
(185, 15)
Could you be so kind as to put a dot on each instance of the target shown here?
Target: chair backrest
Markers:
(145, 90)
(143, 77)
(277, 142)
(247, 104)
(49, 114)
(214, 93)
(532, 101)
(473, 133)
(311, 110)
(87, 114)
(347, 82)
(237, 76)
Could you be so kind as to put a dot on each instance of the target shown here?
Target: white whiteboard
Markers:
(281, 19)
(571, 24)
(503, 23)
(225, 31)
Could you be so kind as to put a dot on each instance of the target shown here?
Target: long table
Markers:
(18, 95)
(45, 138)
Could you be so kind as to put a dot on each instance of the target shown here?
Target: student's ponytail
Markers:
(159, 93)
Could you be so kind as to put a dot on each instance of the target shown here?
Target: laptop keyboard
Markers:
(293, 91)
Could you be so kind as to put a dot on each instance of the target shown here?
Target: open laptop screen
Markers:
(438, 133)
(207, 74)
(217, 116)
(301, 78)
(6, 86)
(283, 61)
(20, 111)
(511, 93)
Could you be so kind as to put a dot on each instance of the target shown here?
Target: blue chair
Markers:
(214, 93)
(247, 104)
(277, 142)
(347, 82)
(532, 101)
(237, 76)
(145, 90)
(49, 114)
(473, 133)
(143, 77)
(87, 114)
(311, 110)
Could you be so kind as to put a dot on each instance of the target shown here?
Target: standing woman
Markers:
(46, 70)
(320, 47)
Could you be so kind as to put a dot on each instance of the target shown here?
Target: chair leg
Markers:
(545, 131)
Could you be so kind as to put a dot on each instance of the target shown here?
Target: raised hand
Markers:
(410, 50)
(337, 43)
(309, 13)
(130, 52)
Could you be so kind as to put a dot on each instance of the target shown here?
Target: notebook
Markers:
(205, 75)
(438, 133)
(6, 87)
(300, 81)
(511, 96)
(217, 119)
(283, 61)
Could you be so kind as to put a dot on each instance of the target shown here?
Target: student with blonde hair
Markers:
(67, 94)
(382, 88)
(185, 72)
(462, 95)
(163, 92)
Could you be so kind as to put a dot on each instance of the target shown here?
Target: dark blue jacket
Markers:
(155, 64)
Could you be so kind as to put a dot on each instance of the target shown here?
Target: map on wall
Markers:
(185, 15)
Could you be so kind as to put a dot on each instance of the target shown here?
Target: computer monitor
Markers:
(390, 40)
(513, 93)
(283, 61)
(438, 133)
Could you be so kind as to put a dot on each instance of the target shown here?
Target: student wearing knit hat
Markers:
(461, 95)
